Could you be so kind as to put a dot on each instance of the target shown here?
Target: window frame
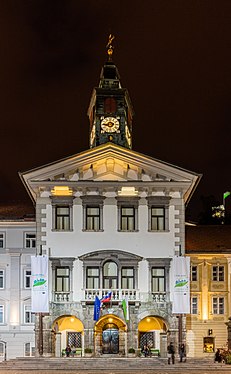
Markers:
(2, 276)
(218, 275)
(158, 278)
(62, 202)
(110, 278)
(158, 202)
(2, 240)
(218, 308)
(194, 305)
(30, 240)
(26, 277)
(88, 277)
(31, 350)
(194, 273)
(2, 313)
(127, 278)
(63, 277)
(27, 311)
(92, 201)
(158, 218)
(127, 202)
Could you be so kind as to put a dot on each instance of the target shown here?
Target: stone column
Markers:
(57, 337)
(163, 345)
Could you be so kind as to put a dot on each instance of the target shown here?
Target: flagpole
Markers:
(40, 321)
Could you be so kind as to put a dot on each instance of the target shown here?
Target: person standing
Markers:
(182, 352)
(171, 353)
(68, 350)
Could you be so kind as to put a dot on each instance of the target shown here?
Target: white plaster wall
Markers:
(77, 242)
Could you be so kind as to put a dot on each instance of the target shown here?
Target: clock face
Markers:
(110, 124)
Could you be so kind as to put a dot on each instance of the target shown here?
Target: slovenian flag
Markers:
(106, 298)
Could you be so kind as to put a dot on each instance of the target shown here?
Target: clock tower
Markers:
(110, 111)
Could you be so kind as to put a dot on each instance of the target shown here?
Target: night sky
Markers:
(174, 57)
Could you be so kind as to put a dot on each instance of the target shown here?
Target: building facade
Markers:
(110, 220)
(17, 244)
(209, 248)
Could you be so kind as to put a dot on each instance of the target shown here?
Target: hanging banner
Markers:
(39, 284)
(181, 285)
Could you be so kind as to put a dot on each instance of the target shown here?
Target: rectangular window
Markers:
(62, 218)
(29, 317)
(2, 240)
(27, 278)
(158, 279)
(193, 273)
(2, 276)
(30, 240)
(93, 218)
(194, 305)
(1, 314)
(218, 305)
(218, 274)
(127, 278)
(29, 350)
(62, 279)
(157, 218)
(127, 218)
(92, 281)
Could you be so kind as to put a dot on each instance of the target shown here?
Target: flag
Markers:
(226, 194)
(181, 285)
(39, 289)
(125, 309)
(97, 306)
(106, 298)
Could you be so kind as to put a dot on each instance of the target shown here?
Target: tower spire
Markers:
(110, 47)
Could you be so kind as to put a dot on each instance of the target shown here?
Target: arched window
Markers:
(110, 275)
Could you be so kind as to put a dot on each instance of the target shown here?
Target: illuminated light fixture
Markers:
(128, 191)
(148, 319)
(61, 191)
(72, 319)
(110, 320)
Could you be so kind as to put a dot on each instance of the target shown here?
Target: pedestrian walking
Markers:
(182, 352)
(171, 353)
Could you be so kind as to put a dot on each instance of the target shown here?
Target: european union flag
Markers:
(97, 306)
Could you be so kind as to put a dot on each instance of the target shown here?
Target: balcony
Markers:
(160, 299)
(117, 294)
(61, 297)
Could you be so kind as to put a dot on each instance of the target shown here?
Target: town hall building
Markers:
(110, 220)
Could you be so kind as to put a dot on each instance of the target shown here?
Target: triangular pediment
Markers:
(109, 163)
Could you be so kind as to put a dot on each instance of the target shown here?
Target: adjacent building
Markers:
(209, 248)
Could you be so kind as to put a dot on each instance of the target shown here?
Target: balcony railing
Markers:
(117, 294)
(159, 298)
(61, 297)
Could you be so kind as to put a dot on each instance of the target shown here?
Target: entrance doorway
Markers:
(151, 330)
(110, 341)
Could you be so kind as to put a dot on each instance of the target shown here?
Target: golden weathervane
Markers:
(110, 46)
